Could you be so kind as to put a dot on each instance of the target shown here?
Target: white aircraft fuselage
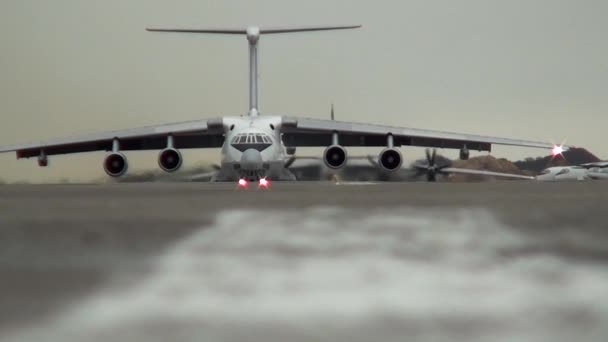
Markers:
(253, 149)
(573, 173)
(563, 173)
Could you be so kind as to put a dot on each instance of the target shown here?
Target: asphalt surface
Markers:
(496, 261)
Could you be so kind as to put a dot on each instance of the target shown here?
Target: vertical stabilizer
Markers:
(253, 34)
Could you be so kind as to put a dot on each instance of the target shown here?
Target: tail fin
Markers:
(253, 34)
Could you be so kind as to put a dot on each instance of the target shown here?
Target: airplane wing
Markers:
(601, 164)
(484, 173)
(318, 132)
(191, 134)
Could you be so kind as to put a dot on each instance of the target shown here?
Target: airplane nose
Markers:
(251, 160)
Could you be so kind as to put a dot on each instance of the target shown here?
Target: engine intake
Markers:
(334, 156)
(115, 164)
(390, 159)
(170, 160)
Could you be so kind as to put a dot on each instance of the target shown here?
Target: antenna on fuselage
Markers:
(253, 34)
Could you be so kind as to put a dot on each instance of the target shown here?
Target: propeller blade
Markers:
(431, 169)
(420, 166)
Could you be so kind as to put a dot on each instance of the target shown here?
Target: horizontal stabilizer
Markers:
(253, 34)
(210, 30)
(268, 30)
(305, 29)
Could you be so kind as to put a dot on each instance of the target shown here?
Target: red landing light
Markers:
(557, 150)
(264, 183)
(243, 183)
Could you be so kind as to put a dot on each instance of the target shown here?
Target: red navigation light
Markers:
(243, 183)
(264, 183)
(557, 150)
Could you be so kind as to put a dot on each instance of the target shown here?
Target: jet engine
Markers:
(390, 159)
(115, 164)
(170, 159)
(334, 156)
(43, 160)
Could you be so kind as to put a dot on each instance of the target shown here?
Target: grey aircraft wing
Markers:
(484, 173)
(299, 131)
(600, 164)
(190, 134)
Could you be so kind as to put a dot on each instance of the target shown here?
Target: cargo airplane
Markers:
(260, 148)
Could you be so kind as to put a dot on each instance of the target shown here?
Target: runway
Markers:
(498, 261)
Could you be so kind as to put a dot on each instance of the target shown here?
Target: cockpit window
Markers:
(257, 141)
(563, 172)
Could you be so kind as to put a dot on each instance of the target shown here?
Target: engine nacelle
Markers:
(43, 160)
(170, 160)
(464, 153)
(115, 164)
(390, 159)
(334, 156)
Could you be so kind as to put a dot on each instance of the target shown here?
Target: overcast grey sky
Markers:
(533, 69)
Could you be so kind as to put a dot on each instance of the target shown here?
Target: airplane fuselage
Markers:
(253, 149)
(564, 173)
